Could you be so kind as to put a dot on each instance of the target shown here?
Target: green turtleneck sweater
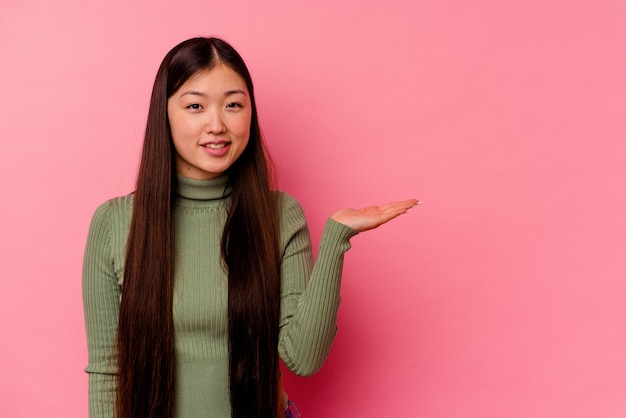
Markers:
(309, 296)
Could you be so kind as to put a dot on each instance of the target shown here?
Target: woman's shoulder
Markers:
(292, 217)
(120, 207)
(119, 203)
(288, 204)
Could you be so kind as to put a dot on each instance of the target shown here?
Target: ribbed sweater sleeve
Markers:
(310, 292)
(101, 301)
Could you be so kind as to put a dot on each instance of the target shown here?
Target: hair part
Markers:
(250, 251)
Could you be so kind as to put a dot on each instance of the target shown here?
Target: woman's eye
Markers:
(233, 105)
(194, 106)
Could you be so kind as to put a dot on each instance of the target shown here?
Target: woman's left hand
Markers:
(372, 216)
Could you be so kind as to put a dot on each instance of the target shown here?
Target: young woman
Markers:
(197, 283)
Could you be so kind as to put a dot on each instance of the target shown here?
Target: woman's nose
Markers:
(214, 123)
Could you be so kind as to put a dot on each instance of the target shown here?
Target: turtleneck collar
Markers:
(203, 190)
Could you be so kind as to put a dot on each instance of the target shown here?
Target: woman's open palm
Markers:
(372, 216)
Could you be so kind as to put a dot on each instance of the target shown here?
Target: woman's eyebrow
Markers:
(201, 94)
(236, 91)
(194, 93)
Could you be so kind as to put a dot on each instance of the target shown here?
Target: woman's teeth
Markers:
(215, 146)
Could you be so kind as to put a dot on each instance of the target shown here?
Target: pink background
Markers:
(501, 296)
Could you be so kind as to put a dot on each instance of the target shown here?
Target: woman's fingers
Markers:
(400, 205)
(372, 217)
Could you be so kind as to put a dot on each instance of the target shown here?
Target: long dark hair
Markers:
(250, 251)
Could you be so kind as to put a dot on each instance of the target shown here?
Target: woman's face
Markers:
(210, 122)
